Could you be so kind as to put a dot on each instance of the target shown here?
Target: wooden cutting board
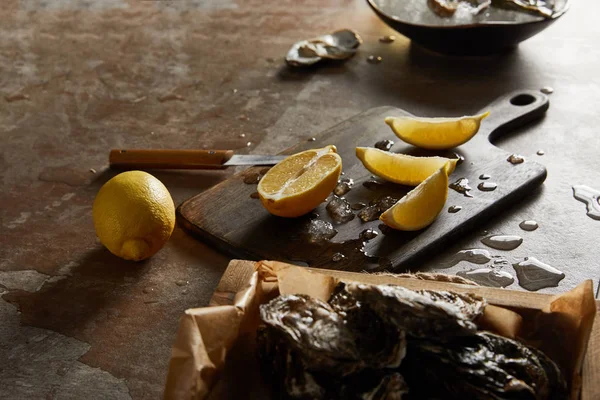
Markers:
(228, 218)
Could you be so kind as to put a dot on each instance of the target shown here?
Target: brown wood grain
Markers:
(238, 273)
(227, 217)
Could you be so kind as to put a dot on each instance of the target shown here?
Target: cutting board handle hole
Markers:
(522, 100)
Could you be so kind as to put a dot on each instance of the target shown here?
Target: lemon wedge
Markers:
(421, 206)
(299, 183)
(401, 168)
(436, 133)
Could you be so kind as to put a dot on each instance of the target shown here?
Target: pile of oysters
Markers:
(387, 342)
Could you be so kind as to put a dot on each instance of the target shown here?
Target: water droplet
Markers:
(485, 232)
(547, 90)
(92, 170)
(502, 242)
(515, 159)
(460, 158)
(387, 39)
(181, 282)
(591, 197)
(244, 117)
(358, 206)
(462, 186)
(148, 290)
(344, 185)
(374, 59)
(234, 90)
(343, 173)
(528, 225)
(318, 230)
(488, 277)
(484, 177)
(372, 185)
(475, 256)
(454, 209)
(487, 186)
(339, 210)
(535, 275)
(337, 257)
(252, 177)
(384, 145)
(248, 144)
(254, 195)
(242, 135)
(312, 139)
(540, 152)
(368, 234)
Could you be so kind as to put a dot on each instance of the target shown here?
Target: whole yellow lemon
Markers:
(134, 215)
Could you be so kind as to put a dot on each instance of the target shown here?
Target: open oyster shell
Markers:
(338, 45)
(424, 313)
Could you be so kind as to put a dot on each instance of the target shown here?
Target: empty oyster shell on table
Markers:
(338, 45)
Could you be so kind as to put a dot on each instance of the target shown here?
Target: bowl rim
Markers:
(463, 26)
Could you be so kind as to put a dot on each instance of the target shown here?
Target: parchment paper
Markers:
(213, 356)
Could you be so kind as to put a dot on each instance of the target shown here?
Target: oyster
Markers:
(338, 45)
(379, 343)
(544, 8)
(481, 366)
(423, 314)
(311, 329)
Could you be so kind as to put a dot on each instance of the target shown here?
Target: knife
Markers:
(185, 159)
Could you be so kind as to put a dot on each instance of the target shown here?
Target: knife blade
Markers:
(185, 159)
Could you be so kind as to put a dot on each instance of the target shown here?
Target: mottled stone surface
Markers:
(79, 77)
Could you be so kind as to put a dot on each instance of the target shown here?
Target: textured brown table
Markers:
(80, 77)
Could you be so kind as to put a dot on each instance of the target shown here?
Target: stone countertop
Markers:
(78, 78)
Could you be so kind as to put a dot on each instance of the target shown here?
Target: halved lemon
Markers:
(436, 133)
(301, 182)
(421, 206)
(401, 168)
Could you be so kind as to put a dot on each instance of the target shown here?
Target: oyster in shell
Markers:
(424, 313)
(313, 331)
(379, 343)
(338, 45)
(481, 366)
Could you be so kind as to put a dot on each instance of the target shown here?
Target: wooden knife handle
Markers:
(169, 159)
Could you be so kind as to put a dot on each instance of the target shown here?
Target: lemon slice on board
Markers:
(421, 206)
(436, 133)
(299, 183)
(401, 168)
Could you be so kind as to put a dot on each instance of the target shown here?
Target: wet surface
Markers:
(80, 78)
(502, 242)
(535, 275)
(461, 185)
(488, 277)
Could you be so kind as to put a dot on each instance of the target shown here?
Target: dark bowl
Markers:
(493, 32)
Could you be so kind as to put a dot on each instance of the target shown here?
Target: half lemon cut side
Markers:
(299, 183)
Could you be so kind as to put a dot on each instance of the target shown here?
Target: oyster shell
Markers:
(338, 45)
(481, 366)
(424, 313)
(379, 343)
(313, 330)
